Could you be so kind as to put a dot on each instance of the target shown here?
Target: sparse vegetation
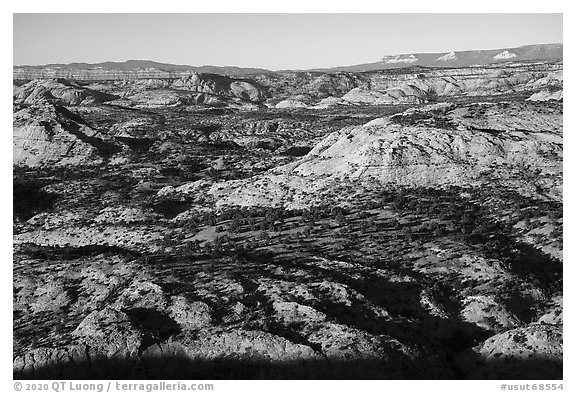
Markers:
(196, 232)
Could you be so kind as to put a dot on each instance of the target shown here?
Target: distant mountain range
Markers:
(152, 69)
(140, 66)
(542, 52)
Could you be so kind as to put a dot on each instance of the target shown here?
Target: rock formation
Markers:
(48, 134)
(58, 91)
(507, 141)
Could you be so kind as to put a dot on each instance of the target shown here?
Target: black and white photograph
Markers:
(287, 196)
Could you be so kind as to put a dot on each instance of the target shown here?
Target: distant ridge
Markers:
(151, 69)
(455, 59)
(136, 68)
(131, 65)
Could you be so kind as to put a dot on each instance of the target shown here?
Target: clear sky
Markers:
(272, 41)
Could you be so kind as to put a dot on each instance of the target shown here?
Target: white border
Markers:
(356, 6)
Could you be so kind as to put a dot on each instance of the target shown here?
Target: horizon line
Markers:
(284, 69)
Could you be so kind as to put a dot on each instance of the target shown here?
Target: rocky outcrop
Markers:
(535, 350)
(157, 98)
(221, 86)
(290, 103)
(505, 141)
(406, 94)
(52, 135)
(487, 313)
(412, 85)
(547, 95)
(59, 91)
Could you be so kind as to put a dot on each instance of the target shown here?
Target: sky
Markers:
(271, 41)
